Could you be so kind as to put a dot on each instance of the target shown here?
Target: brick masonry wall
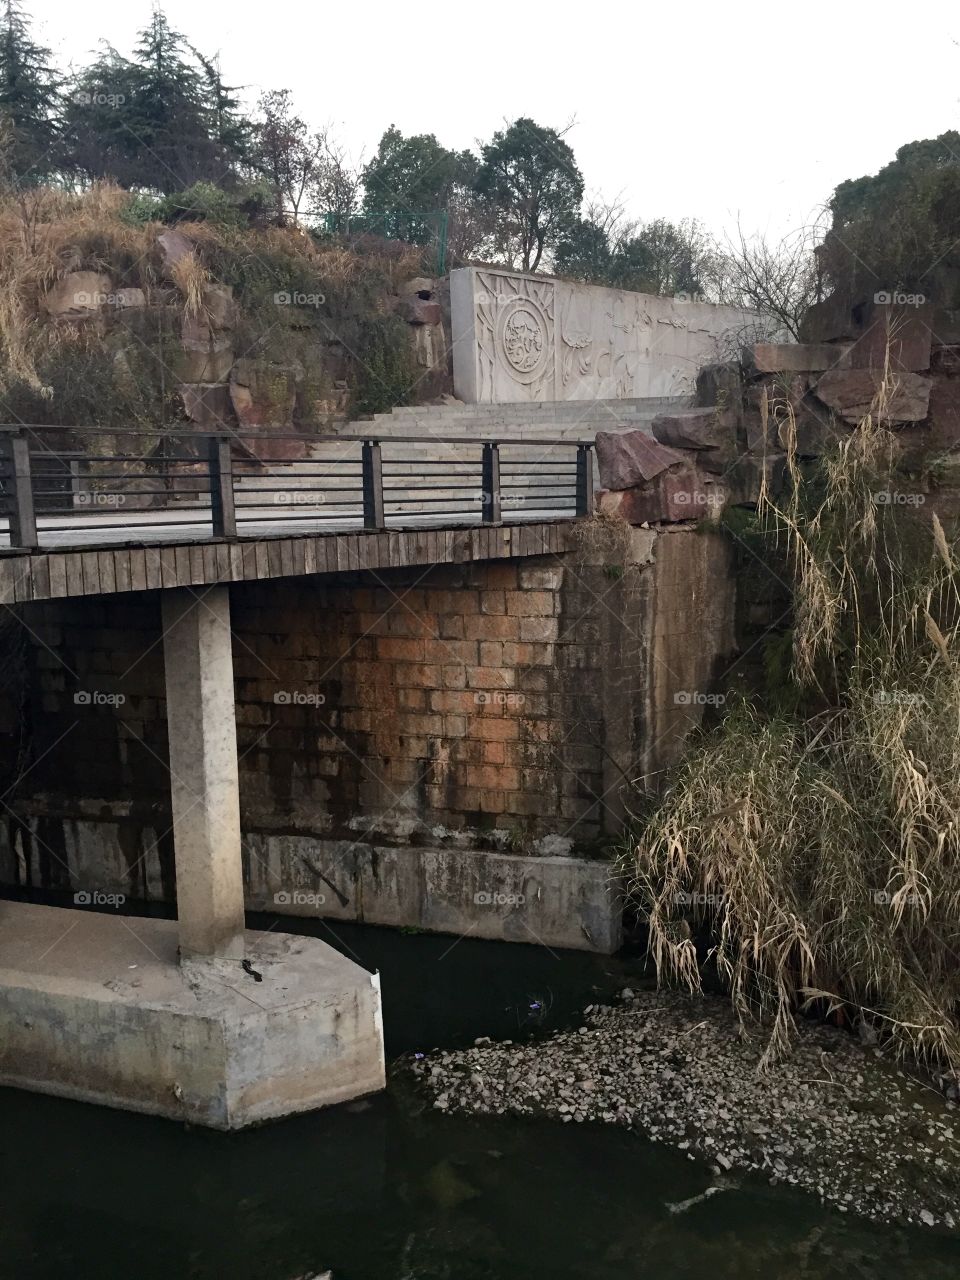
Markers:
(402, 705)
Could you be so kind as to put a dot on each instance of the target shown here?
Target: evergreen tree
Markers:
(29, 100)
(157, 120)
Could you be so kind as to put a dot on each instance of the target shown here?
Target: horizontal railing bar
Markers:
(268, 435)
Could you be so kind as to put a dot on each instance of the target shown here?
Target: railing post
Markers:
(223, 511)
(584, 480)
(491, 484)
(372, 486)
(20, 510)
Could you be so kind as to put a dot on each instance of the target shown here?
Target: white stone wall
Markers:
(535, 338)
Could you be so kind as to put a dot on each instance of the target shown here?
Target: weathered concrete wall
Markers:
(488, 706)
(524, 337)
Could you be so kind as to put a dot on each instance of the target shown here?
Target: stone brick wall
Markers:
(511, 704)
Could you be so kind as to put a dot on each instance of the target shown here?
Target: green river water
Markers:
(387, 1189)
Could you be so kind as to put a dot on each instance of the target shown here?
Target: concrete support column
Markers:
(204, 782)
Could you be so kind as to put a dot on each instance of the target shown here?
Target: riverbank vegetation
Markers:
(814, 835)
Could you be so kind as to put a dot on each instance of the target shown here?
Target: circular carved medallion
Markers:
(524, 339)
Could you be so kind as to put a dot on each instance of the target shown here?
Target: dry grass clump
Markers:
(822, 849)
(45, 233)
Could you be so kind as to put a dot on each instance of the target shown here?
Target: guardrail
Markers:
(47, 486)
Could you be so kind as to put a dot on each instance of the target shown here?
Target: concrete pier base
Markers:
(97, 1008)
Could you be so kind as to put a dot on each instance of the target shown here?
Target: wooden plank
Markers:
(248, 554)
(263, 560)
(168, 567)
(23, 580)
(40, 566)
(208, 558)
(309, 555)
(121, 568)
(153, 567)
(138, 569)
(274, 559)
(221, 557)
(99, 573)
(181, 559)
(58, 575)
(199, 573)
(75, 573)
(235, 551)
(10, 570)
(286, 558)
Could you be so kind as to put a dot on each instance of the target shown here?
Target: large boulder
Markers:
(174, 247)
(79, 294)
(796, 357)
(694, 429)
(208, 405)
(676, 494)
(903, 330)
(628, 458)
(853, 393)
(264, 394)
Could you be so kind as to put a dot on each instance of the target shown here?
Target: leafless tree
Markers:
(779, 278)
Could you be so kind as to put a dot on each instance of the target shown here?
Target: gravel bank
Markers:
(834, 1119)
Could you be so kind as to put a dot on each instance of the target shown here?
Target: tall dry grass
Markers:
(820, 852)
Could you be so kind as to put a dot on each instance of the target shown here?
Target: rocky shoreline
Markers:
(834, 1119)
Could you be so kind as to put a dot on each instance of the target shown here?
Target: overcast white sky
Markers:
(751, 110)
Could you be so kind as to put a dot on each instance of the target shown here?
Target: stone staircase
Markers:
(427, 474)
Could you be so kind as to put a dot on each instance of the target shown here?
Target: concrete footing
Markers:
(510, 897)
(97, 1008)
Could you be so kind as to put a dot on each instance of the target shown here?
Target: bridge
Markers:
(317, 676)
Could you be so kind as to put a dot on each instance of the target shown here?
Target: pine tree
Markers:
(156, 120)
(29, 100)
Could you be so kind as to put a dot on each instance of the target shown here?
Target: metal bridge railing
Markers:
(49, 485)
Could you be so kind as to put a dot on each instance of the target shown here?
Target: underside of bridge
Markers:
(447, 745)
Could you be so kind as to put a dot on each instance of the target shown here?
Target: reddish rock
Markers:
(79, 293)
(208, 404)
(174, 247)
(674, 495)
(944, 418)
(264, 394)
(906, 330)
(852, 394)
(694, 429)
(832, 320)
(416, 311)
(796, 357)
(629, 458)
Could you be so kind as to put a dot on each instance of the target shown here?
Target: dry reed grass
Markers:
(822, 850)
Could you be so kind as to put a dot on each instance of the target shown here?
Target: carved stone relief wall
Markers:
(523, 337)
